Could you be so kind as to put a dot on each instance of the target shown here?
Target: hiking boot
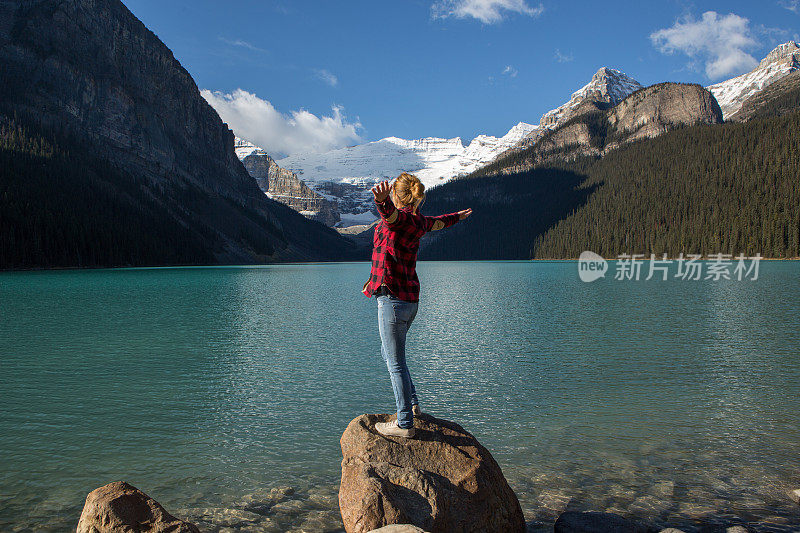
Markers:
(417, 411)
(391, 429)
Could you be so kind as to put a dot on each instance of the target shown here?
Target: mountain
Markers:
(736, 190)
(432, 159)
(283, 185)
(607, 88)
(610, 87)
(700, 189)
(778, 98)
(597, 129)
(112, 157)
(731, 93)
(344, 176)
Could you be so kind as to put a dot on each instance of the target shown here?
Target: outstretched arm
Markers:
(445, 221)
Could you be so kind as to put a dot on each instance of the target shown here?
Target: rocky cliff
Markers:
(606, 89)
(656, 109)
(283, 185)
(595, 129)
(89, 73)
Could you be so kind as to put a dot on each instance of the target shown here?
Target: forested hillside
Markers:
(709, 188)
(110, 156)
(507, 212)
(64, 206)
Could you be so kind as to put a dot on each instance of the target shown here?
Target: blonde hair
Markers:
(407, 189)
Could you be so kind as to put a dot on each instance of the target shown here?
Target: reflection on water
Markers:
(222, 392)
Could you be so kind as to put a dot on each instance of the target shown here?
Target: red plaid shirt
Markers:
(394, 249)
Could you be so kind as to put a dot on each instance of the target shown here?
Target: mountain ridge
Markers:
(728, 187)
(595, 129)
(90, 74)
(780, 61)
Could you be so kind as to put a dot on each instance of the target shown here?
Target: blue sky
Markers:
(312, 75)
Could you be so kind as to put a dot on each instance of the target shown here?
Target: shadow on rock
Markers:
(443, 480)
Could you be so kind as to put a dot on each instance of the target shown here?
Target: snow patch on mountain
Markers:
(244, 148)
(730, 94)
(607, 85)
(433, 159)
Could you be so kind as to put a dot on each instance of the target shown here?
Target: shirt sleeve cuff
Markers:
(386, 207)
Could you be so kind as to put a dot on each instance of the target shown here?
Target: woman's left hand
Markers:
(464, 214)
(381, 191)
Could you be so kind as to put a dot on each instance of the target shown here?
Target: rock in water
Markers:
(596, 522)
(442, 480)
(119, 507)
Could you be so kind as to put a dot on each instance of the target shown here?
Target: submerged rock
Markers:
(119, 506)
(596, 522)
(443, 480)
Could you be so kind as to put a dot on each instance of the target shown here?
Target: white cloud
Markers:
(327, 77)
(719, 41)
(487, 11)
(243, 44)
(510, 71)
(257, 120)
(791, 5)
(562, 58)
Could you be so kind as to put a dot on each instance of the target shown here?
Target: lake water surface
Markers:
(222, 391)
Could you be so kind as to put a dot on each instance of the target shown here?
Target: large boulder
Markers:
(121, 507)
(442, 480)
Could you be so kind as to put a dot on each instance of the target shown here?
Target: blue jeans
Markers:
(394, 319)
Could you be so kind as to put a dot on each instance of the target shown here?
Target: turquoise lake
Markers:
(222, 391)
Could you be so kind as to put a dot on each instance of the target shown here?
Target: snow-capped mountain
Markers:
(344, 176)
(607, 85)
(283, 185)
(434, 160)
(730, 94)
(244, 148)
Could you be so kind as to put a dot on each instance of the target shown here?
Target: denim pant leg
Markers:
(394, 318)
(414, 400)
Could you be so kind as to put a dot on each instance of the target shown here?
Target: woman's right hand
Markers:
(464, 213)
(381, 191)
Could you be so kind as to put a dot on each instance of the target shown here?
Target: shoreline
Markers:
(314, 508)
(277, 263)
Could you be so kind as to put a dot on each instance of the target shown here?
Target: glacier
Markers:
(433, 160)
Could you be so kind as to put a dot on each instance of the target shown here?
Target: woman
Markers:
(394, 282)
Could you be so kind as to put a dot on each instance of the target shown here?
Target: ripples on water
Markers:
(222, 392)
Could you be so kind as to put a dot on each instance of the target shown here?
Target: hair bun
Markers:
(407, 188)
